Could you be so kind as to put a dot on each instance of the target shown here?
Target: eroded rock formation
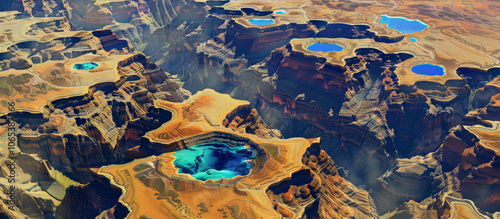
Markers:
(419, 145)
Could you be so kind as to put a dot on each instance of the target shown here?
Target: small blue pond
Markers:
(324, 47)
(280, 12)
(214, 161)
(428, 69)
(413, 39)
(402, 24)
(261, 22)
(85, 66)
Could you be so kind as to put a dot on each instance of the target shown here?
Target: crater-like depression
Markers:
(403, 25)
(215, 160)
(324, 47)
(261, 22)
(428, 69)
(85, 66)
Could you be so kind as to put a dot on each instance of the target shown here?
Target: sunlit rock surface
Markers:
(357, 132)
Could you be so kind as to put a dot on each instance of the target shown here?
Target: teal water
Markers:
(428, 69)
(413, 39)
(324, 47)
(402, 24)
(280, 12)
(85, 66)
(214, 160)
(261, 22)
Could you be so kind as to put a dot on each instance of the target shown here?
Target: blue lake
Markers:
(413, 39)
(324, 47)
(85, 66)
(402, 24)
(214, 160)
(428, 69)
(280, 12)
(261, 22)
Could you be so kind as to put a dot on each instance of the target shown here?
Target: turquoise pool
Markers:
(324, 47)
(85, 66)
(413, 39)
(428, 69)
(280, 12)
(403, 25)
(261, 22)
(214, 160)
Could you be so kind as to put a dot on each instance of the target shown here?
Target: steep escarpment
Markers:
(34, 41)
(134, 20)
(157, 174)
(319, 191)
(246, 119)
(463, 165)
(172, 46)
(89, 200)
(223, 59)
(37, 188)
(72, 134)
(472, 151)
(95, 115)
(99, 82)
(341, 101)
(484, 82)
(413, 179)
(368, 111)
(355, 202)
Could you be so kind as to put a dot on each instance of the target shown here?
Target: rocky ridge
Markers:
(383, 124)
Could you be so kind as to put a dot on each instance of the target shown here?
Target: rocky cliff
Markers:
(415, 145)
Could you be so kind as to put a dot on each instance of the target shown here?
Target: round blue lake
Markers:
(402, 24)
(413, 39)
(85, 66)
(324, 47)
(261, 22)
(428, 69)
(214, 160)
(280, 12)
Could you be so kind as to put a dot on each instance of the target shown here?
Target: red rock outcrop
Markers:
(472, 150)
(409, 179)
(411, 139)
(89, 200)
(247, 120)
(71, 134)
(319, 191)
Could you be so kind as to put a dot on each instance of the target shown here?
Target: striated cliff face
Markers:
(296, 186)
(368, 112)
(103, 123)
(73, 121)
(479, 179)
(486, 84)
(133, 20)
(174, 45)
(413, 179)
(247, 120)
(354, 202)
(89, 200)
(36, 191)
(421, 146)
(222, 60)
(463, 166)
(341, 101)
(35, 42)
(359, 96)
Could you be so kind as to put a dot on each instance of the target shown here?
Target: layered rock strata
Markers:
(201, 119)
